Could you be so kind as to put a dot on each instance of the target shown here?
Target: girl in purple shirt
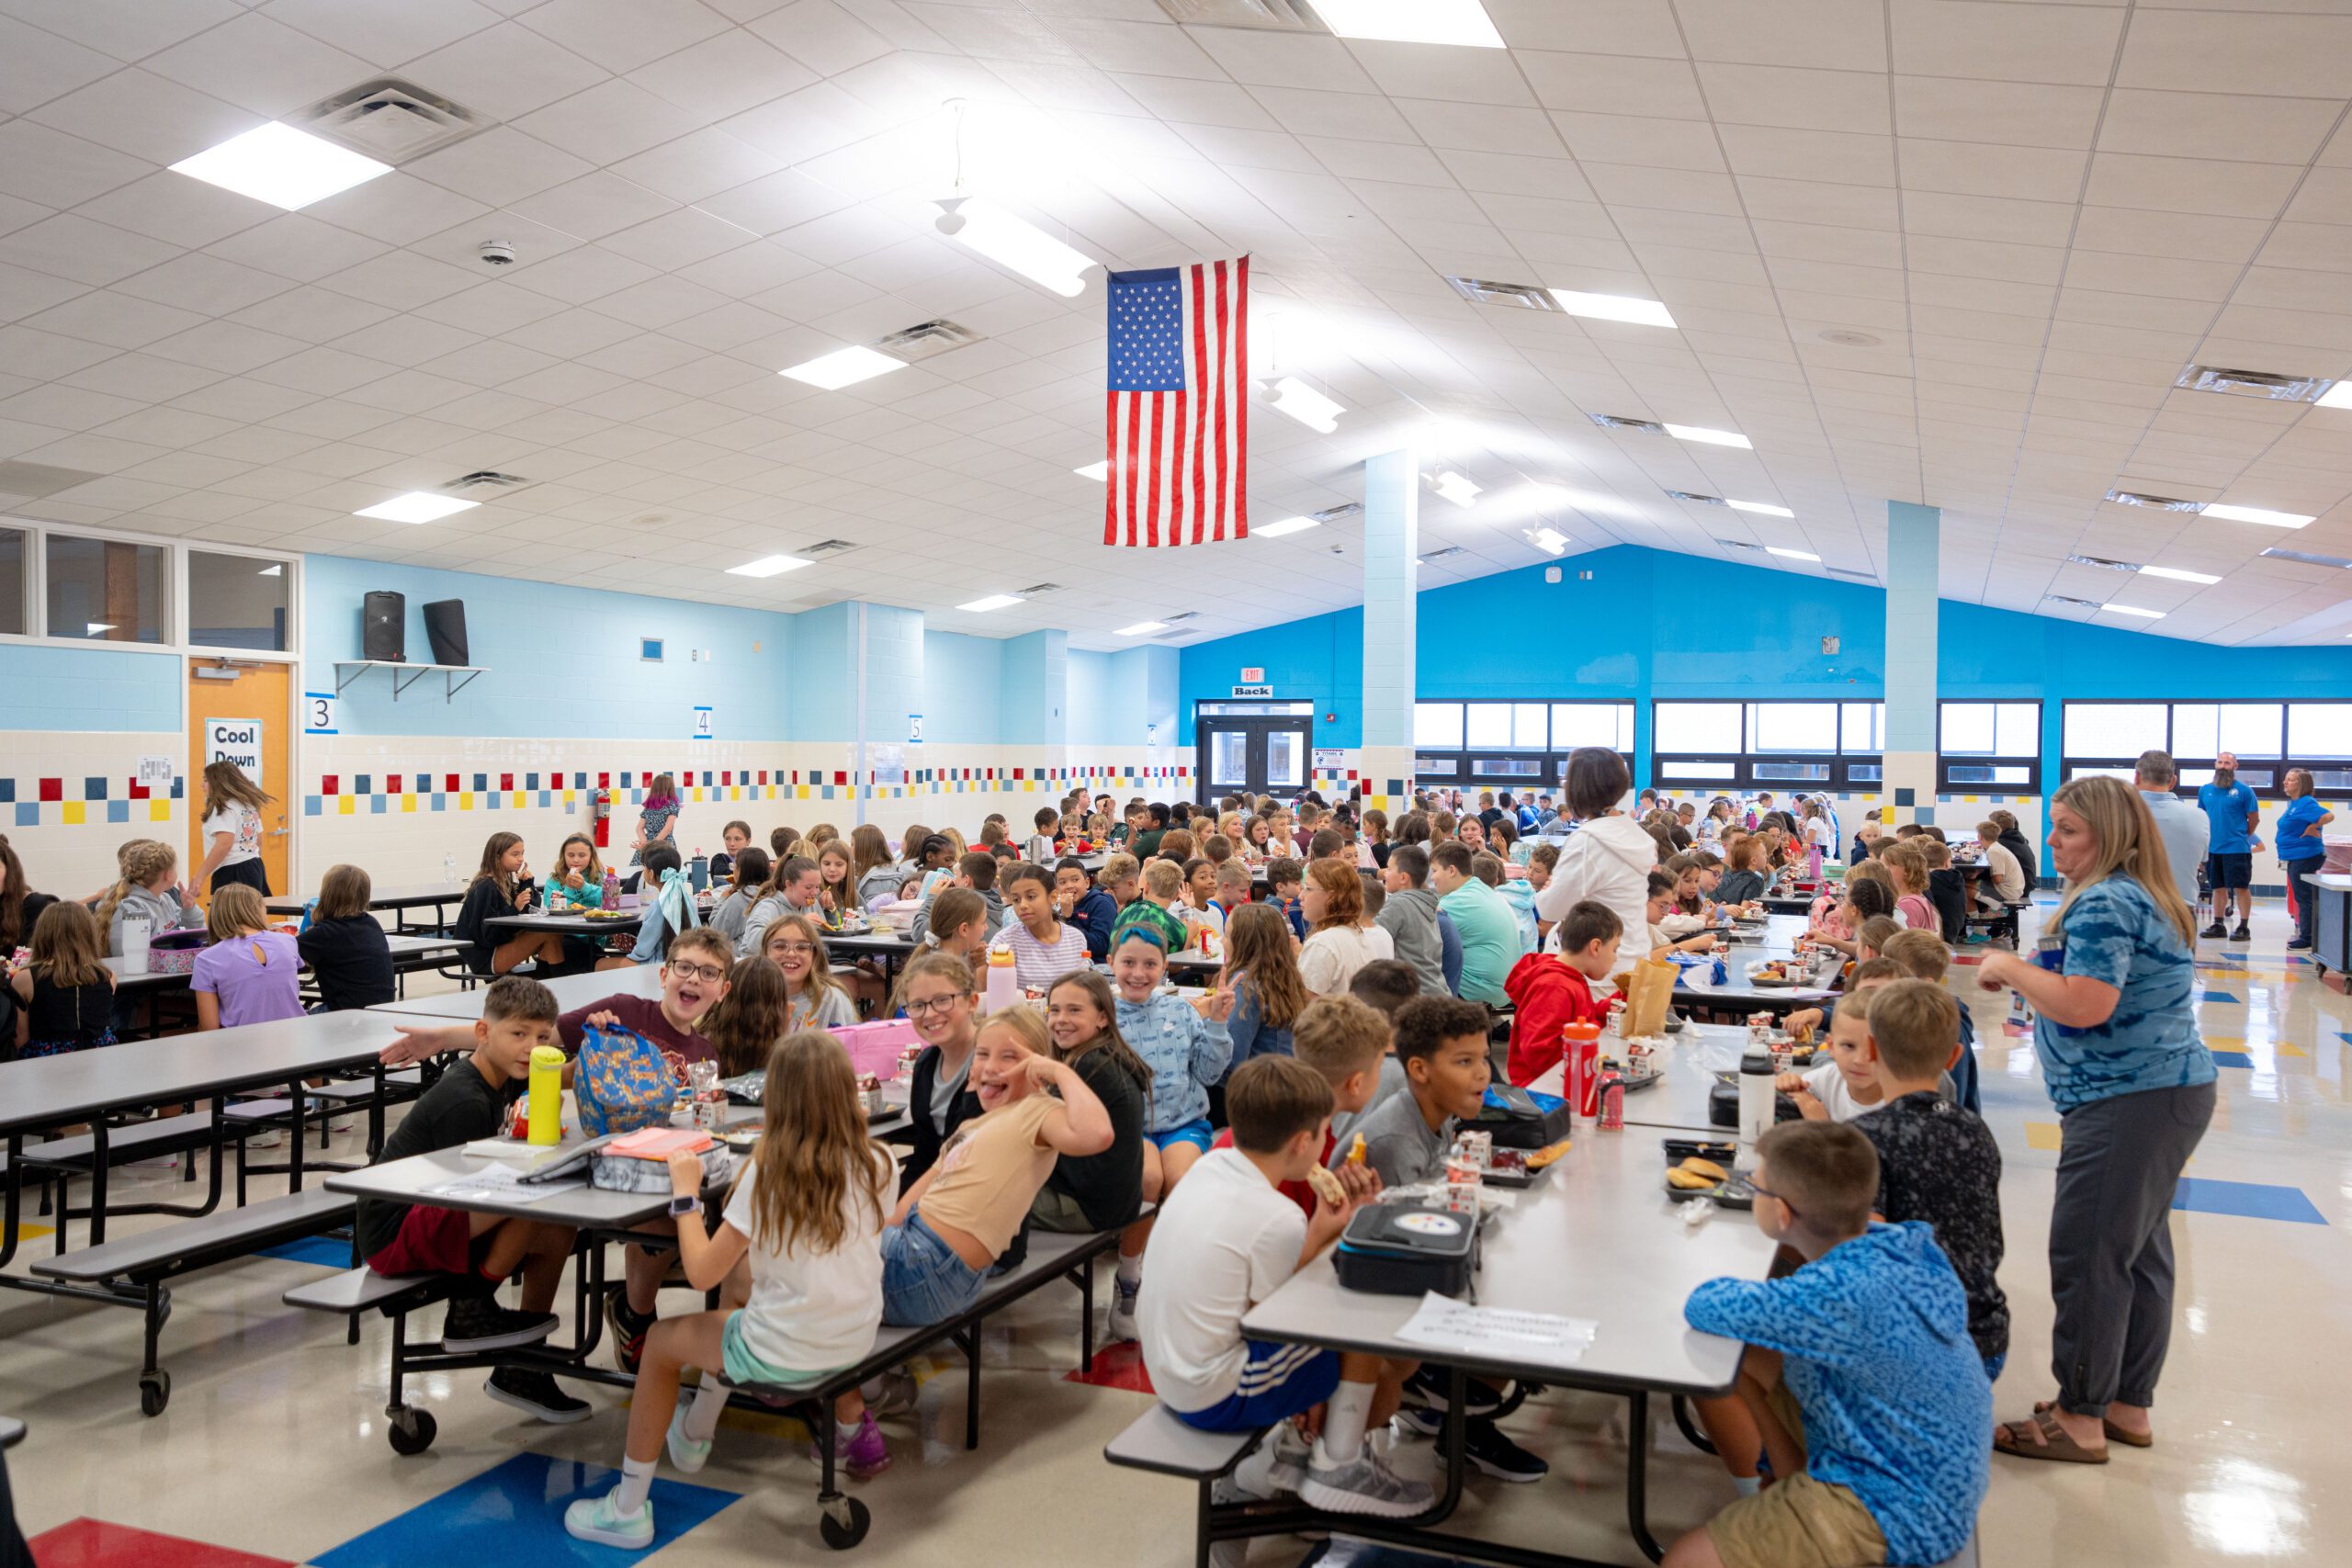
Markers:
(251, 974)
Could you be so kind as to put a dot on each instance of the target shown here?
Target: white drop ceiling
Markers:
(1938, 250)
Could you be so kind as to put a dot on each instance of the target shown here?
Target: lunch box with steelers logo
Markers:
(1403, 1250)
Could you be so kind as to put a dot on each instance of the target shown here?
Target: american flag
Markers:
(1179, 405)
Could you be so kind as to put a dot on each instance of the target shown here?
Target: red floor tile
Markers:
(1115, 1366)
(94, 1543)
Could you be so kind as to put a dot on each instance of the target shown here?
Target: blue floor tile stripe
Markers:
(328, 1252)
(2246, 1200)
(2233, 1059)
(512, 1515)
(2223, 996)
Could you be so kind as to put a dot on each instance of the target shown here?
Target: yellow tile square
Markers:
(408, 803)
(159, 811)
(2042, 1135)
(520, 800)
(465, 800)
(2288, 1048)
(346, 805)
(2226, 1042)
(71, 813)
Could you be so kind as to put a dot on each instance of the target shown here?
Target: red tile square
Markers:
(53, 789)
(138, 790)
(506, 781)
(94, 1543)
(449, 783)
(603, 781)
(841, 778)
(327, 783)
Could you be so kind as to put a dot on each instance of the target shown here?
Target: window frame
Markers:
(1457, 767)
(2072, 764)
(1947, 784)
(176, 590)
(1846, 772)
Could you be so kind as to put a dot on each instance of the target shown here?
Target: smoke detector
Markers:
(497, 252)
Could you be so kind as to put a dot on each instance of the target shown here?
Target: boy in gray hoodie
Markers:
(1410, 917)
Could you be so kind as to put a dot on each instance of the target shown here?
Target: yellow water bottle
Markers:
(547, 1095)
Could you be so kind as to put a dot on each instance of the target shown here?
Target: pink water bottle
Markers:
(1612, 1097)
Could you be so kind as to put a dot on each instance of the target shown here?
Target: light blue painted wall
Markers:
(1095, 717)
(963, 687)
(1035, 709)
(894, 672)
(562, 662)
(87, 689)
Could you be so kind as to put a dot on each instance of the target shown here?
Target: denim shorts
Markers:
(1196, 1133)
(922, 1279)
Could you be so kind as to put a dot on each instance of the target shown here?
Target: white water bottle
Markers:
(136, 931)
(449, 867)
(1757, 1098)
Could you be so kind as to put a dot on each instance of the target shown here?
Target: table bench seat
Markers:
(1158, 1442)
(194, 1244)
(139, 1140)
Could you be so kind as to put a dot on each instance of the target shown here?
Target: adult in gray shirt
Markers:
(2182, 828)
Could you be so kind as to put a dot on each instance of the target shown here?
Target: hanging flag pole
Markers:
(1177, 435)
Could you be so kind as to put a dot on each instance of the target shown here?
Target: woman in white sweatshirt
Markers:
(1610, 856)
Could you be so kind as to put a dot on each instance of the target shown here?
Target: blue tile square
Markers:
(94, 789)
(2224, 996)
(377, 803)
(179, 787)
(117, 811)
(359, 783)
(2231, 1059)
(547, 797)
(2246, 1200)
(491, 800)
(512, 1515)
(310, 806)
(530, 781)
(7, 792)
(481, 783)
(322, 1250)
(29, 814)
(440, 801)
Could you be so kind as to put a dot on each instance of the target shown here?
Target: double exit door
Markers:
(1253, 753)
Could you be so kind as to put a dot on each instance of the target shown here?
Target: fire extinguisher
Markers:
(600, 816)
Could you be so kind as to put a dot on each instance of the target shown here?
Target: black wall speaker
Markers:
(383, 628)
(444, 625)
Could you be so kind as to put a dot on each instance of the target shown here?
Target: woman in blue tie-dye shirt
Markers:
(2116, 1032)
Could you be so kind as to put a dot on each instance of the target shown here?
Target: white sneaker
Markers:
(684, 1452)
(1276, 1465)
(1124, 1296)
(267, 1138)
(1363, 1485)
(600, 1519)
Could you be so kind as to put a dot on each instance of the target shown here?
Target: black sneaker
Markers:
(2216, 930)
(536, 1394)
(628, 1331)
(1491, 1453)
(476, 1324)
(1429, 1385)
(2242, 934)
(2298, 944)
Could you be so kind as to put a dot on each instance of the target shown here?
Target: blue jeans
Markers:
(923, 1282)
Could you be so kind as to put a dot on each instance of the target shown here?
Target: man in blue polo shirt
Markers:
(2231, 815)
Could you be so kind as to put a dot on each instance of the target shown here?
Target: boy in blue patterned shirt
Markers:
(1860, 1375)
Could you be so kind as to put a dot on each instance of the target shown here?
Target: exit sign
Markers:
(1253, 676)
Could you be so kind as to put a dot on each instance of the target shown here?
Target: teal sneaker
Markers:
(684, 1452)
(600, 1519)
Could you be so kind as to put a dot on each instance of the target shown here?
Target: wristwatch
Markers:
(685, 1203)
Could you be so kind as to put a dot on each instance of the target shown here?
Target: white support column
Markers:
(1392, 499)
(1908, 790)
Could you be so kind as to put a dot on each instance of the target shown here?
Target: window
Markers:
(237, 601)
(15, 547)
(106, 590)
(1513, 744)
(1993, 747)
(1437, 724)
(1803, 745)
(2115, 730)
(1594, 724)
(2269, 737)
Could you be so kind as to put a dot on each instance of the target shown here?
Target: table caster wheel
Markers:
(154, 1392)
(412, 1432)
(843, 1523)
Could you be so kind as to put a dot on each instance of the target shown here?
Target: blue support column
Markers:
(1392, 527)
(1913, 562)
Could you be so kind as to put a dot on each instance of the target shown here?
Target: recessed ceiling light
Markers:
(1551, 541)
(2135, 610)
(416, 506)
(1305, 404)
(281, 165)
(1463, 22)
(279, 570)
(1699, 432)
(2339, 396)
(2158, 502)
(1786, 554)
(1098, 472)
(993, 601)
(1766, 507)
(2268, 519)
(769, 566)
(2308, 557)
(1011, 240)
(92, 628)
(1455, 488)
(2177, 575)
(844, 368)
(1287, 525)
(1614, 308)
(1140, 628)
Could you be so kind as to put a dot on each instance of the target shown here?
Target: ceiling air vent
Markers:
(2069, 599)
(1619, 421)
(2160, 503)
(1036, 588)
(487, 479)
(1701, 499)
(1440, 555)
(1517, 296)
(33, 481)
(2303, 555)
(1346, 509)
(825, 548)
(2253, 384)
(1739, 544)
(1849, 572)
(1181, 616)
(2104, 564)
(389, 119)
(925, 341)
(1273, 16)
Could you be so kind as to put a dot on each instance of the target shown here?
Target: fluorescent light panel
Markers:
(280, 165)
(1455, 488)
(1305, 404)
(1011, 240)
(1551, 541)
(2268, 518)
(2174, 574)
(1461, 22)
(1141, 629)
(417, 506)
(1706, 437)
(1614, 308)
(2336, 397)
(843, 367)
(1098, 472)
(1287, 525)
(2135, 610)
(1789, 553)
(993, 601)
(1764, 507)
(769, 566)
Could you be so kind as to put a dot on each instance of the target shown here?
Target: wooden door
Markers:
(247, 717)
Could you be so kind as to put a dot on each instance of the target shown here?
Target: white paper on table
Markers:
(1535, 1338)
(499, 1183)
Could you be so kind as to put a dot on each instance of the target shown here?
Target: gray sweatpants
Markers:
(2110, 1243)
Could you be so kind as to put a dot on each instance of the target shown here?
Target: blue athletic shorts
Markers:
(1278, 1382)
(1196, 1133)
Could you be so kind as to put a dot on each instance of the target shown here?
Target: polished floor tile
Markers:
(512, 1515)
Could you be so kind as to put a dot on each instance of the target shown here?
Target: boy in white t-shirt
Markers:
(1224, 1240)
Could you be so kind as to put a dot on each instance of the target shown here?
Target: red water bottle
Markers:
(1578, 1079)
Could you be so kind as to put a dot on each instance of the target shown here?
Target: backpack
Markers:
(622, 1082)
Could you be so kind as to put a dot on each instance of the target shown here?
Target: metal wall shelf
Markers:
(347, 671)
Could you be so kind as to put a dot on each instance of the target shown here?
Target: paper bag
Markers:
(1648, 988)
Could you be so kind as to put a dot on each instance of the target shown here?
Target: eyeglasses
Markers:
(1768, 1192)
(792, 949)
(702, 972)
(917, 1006)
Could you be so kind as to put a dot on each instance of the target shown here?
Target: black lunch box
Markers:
(1403, 1250)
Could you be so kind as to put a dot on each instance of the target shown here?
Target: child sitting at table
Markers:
(1908, 867)
(1937, 1161)
(502, 887)
(977, 870)
(814, 999)
(952, 1226)
(65, 993)
(1844, 1083)
(941, 999)
(1039, 850)
(1745, 881)
(733, 910)
(1185, 1047)
(1285, 879)
(1121, 878)
(1661, 905)
(1163, 891)
(732, 840)
(1077, 902)
(1198, 906)
(1861, 1376)
(1924, 956)
(1442, 1045)
(1262, 971)
(469, 1101)
(344, 945)
(804, 1216)
(748, 1021)
(577, 880)
(669, 905)
(1946, 890)
(837, 883)
(1100, 1191)
(958, 926)
(1233, 884)
(1042, 948)
(1346, 1041)
(1225, 1245)
(148, 889)
(252, 972)
(1550, 990)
